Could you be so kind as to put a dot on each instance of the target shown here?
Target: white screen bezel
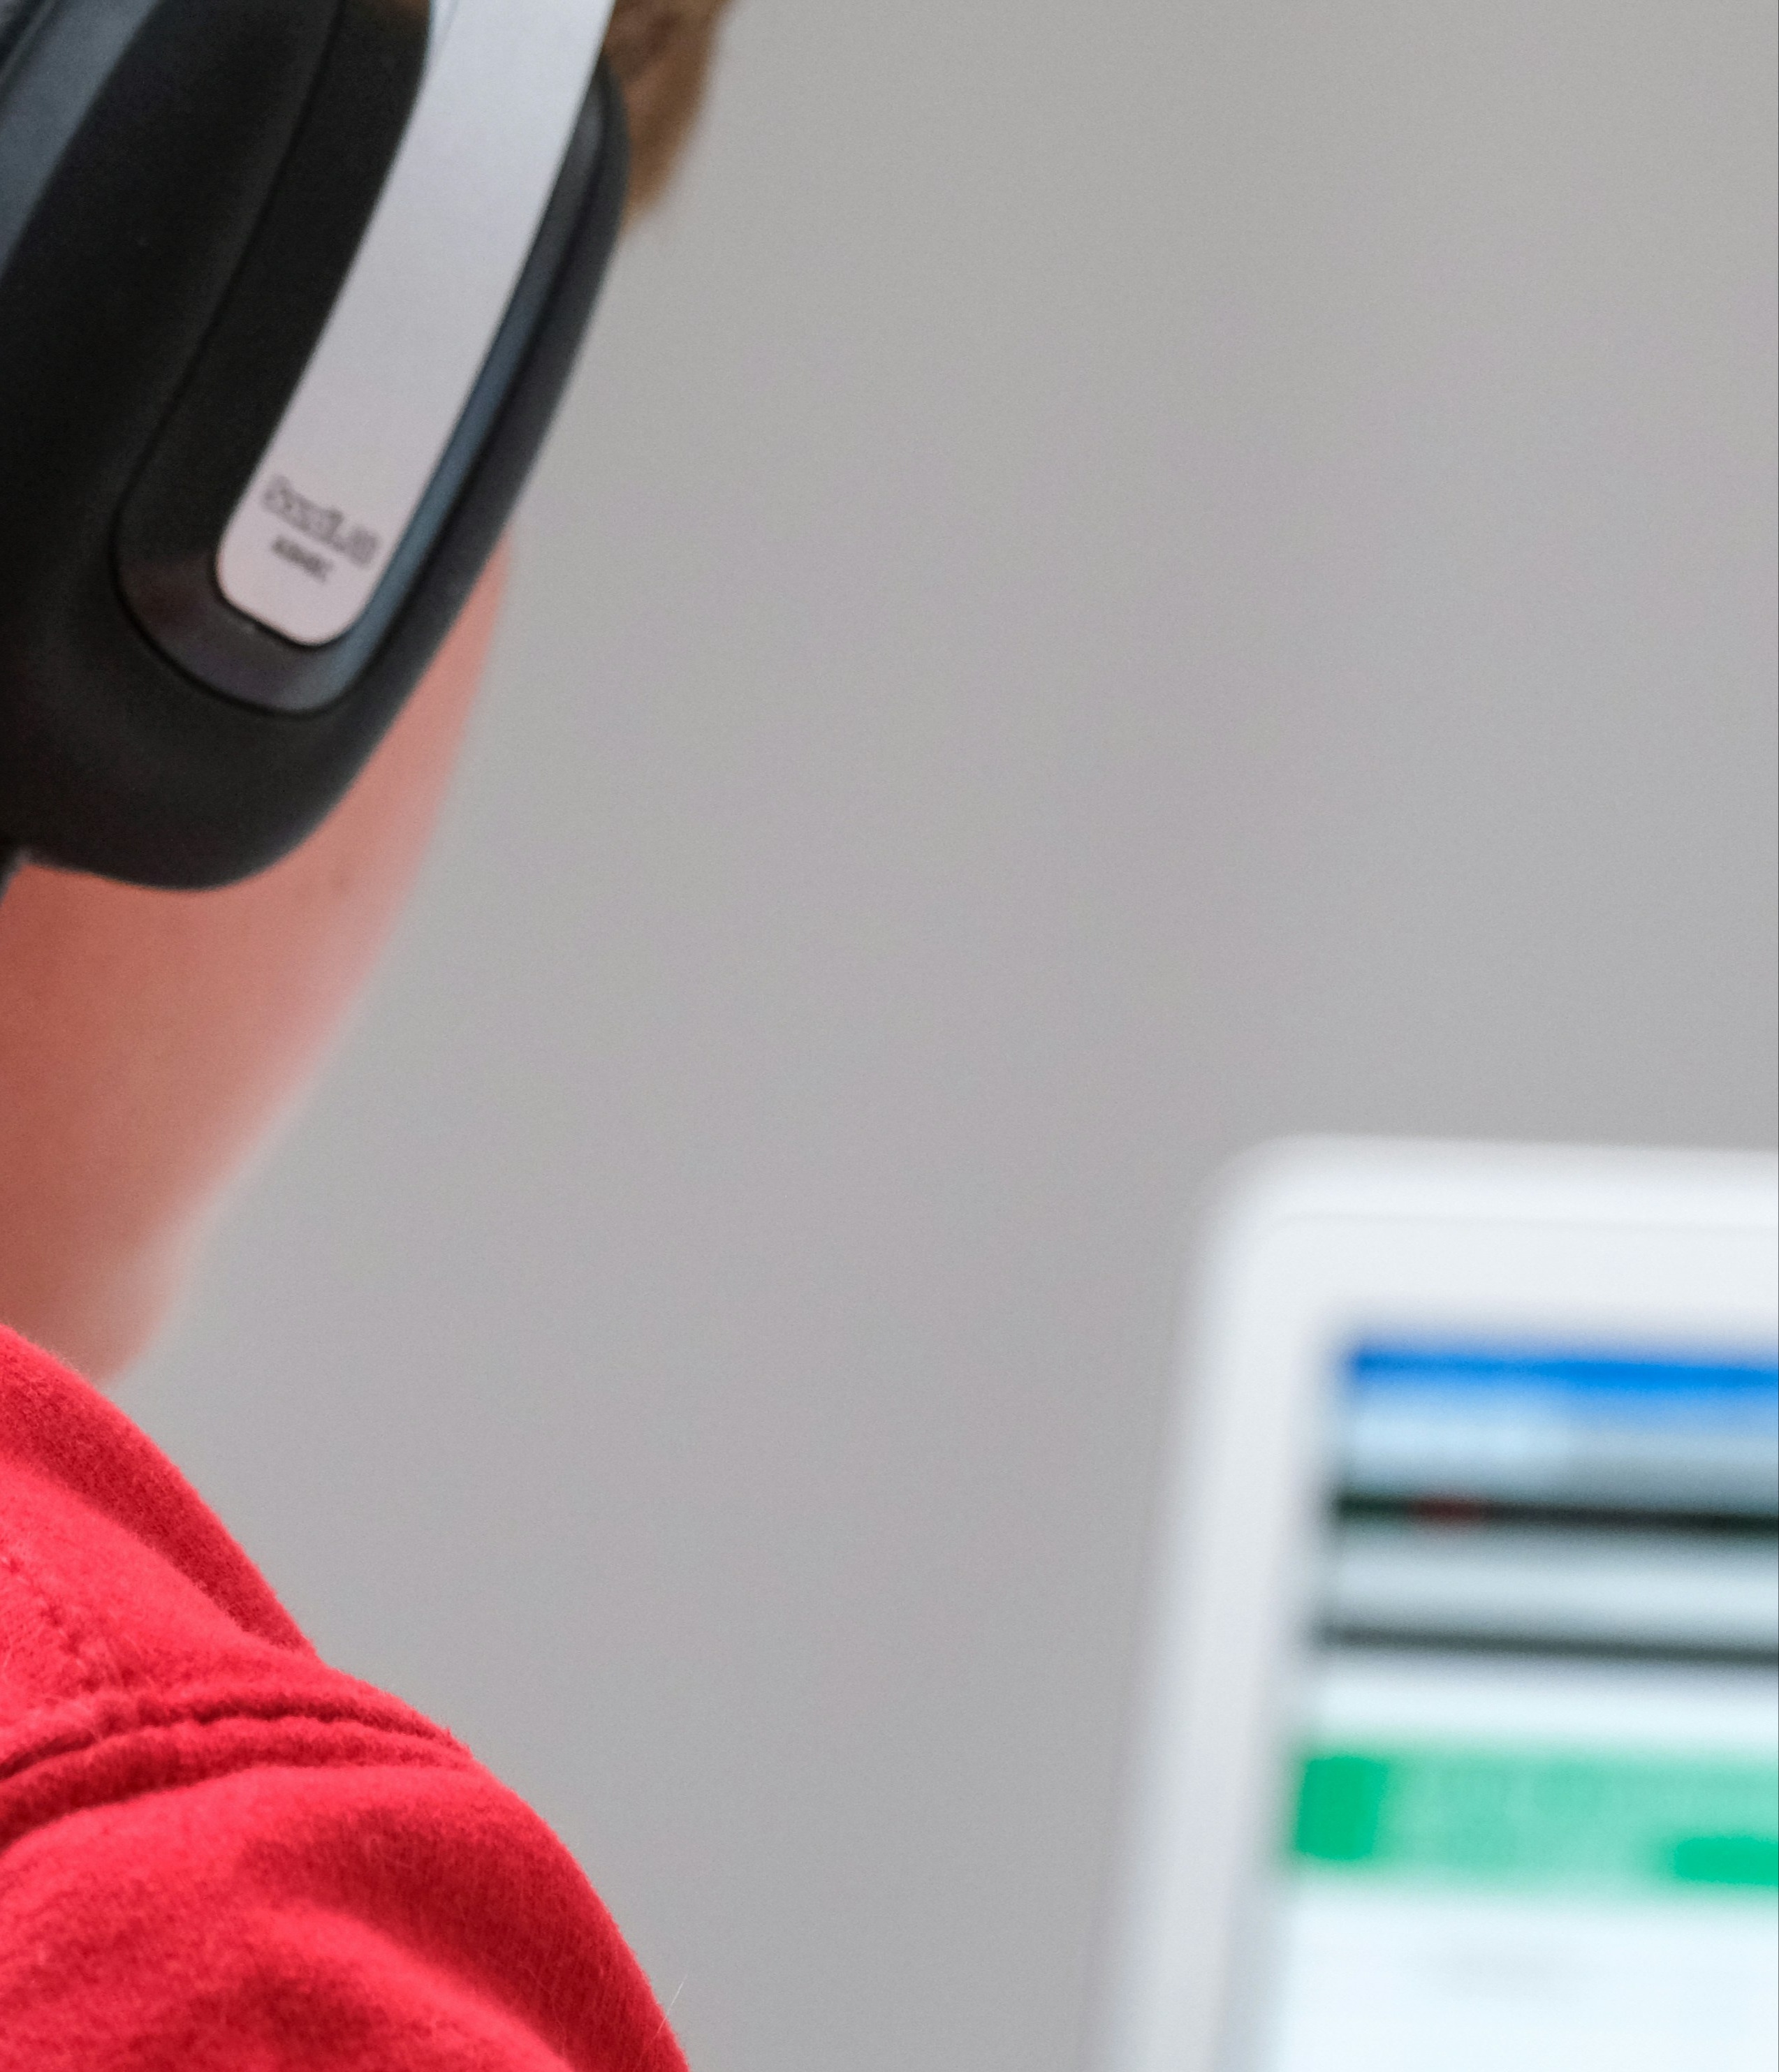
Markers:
(1308, 1245)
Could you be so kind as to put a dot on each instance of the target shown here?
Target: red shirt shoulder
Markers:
(216, 1851)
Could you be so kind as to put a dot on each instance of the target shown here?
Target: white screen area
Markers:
(1533, 1803)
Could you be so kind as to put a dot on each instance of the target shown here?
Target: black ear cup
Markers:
(15, 18)
(182, 184)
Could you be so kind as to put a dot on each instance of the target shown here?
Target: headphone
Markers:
(289, 291)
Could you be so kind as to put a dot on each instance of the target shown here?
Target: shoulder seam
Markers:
(143, 1713)
(340, 1739)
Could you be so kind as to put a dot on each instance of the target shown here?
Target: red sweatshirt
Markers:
(215, 1851)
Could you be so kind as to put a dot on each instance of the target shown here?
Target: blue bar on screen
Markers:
(1616, 1387)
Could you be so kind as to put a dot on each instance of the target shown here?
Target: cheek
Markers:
(148, 1039)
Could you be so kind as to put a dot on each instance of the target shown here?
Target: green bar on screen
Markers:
(1541, 1817)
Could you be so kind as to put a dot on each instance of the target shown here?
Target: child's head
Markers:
(148, 1040)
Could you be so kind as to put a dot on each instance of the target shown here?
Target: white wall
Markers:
(1116, 581)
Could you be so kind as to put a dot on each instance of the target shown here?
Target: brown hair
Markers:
(659, 52)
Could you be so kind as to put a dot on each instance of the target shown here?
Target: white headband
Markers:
(359, 441)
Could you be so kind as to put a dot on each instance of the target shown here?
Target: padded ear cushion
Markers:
(15, 16)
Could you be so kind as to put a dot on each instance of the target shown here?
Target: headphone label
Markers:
(328, 525)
